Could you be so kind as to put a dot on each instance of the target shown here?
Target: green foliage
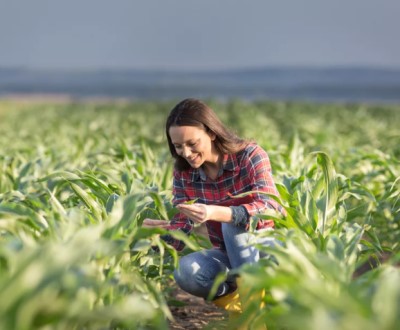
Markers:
(77, 180)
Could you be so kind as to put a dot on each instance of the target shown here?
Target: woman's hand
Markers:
(153, 223)
(197, 212)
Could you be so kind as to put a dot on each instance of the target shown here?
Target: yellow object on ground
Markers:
(231, 302)
(237, 301)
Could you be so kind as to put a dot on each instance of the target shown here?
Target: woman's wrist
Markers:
(219, 213)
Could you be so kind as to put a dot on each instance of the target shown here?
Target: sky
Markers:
(198, 34)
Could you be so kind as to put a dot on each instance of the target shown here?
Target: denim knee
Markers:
(197, 271)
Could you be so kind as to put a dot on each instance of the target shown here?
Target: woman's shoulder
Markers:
(252, 149)
(251, 154)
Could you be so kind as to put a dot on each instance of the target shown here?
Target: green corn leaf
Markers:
(111, 201)
(191, 202)
(330, 197)
(61, 175)
(88, 200)
(37, 221)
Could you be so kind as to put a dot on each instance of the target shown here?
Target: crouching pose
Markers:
(212, 164)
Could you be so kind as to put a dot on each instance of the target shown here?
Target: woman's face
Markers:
(194, 144)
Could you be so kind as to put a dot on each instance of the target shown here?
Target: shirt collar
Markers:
(229, 163)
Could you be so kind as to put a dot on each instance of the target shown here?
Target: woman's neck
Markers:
(212, 168)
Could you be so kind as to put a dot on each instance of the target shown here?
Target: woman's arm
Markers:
(200, 212)
(154, 223)
(260, 178)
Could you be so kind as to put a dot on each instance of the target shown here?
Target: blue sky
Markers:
(198, 34)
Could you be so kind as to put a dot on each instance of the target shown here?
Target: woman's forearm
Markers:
(220, 213)
(201, 213)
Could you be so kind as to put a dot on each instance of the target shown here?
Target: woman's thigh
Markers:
(240, 245)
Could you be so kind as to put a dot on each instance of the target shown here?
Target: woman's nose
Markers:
(186, 151)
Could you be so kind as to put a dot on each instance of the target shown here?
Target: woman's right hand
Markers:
(155, 223)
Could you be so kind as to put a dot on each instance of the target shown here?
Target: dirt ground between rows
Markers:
(196, 313)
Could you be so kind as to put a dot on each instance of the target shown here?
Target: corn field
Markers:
(77, 180)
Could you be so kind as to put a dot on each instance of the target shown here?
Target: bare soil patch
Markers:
(196, 313)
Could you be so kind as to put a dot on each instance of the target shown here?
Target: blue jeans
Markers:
(197, 271)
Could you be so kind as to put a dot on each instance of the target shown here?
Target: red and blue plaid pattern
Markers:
(247, 170)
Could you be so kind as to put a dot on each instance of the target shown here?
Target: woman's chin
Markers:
(194, 165)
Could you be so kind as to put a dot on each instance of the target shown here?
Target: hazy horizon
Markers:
(325, 85)
(208, 70)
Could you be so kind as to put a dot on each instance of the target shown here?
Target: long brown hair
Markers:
(193, 112)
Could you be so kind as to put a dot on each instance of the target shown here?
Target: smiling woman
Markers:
(211, 165)
(195, 146)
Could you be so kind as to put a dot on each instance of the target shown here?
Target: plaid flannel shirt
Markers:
(247, 170)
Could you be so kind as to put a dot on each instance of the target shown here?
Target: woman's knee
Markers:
(187, 268)
(188, 276)
(196, 272)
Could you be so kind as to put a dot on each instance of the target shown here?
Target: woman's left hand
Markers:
(197, 212)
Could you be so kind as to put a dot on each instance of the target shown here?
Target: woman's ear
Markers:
(212, 136)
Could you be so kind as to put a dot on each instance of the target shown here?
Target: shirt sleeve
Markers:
(240, 216)
(258, 168)
(178, 222)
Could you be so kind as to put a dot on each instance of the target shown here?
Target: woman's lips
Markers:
(192, 160)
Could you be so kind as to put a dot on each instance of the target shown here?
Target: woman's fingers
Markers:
(153, 223)
(189, 210)
(196, 212)
(194, 208)
(184, 207)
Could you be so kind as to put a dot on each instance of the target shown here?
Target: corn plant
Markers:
(323, 241)
(77, 180)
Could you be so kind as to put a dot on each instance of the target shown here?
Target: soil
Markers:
(196, 313)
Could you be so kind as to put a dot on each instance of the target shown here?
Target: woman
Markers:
(212, 164)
